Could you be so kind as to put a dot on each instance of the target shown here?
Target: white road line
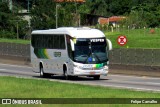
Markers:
(2, 69)
(104, 85)
(134, 76)
(132, 88)
(15, 65)
(118, 81)
(14, 71)
(121, 86)
(147, 83)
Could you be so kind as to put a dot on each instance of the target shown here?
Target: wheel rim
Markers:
(41, 72)
(66, 75)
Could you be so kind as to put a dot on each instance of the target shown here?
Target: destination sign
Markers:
(97, 40)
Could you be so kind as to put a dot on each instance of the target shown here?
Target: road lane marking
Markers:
(91, 84)
(117, 81)
(15, 65)
(121, 86)
(148, 83)
(2, 69)
(145, 89)
(15, 71)
(146, 77)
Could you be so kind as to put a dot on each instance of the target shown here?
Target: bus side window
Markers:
(41, 41)
(50, 43)
(55, 42)
(46, 42)
(33, 40)
(69, 46)
(62, 42)
(37, 41)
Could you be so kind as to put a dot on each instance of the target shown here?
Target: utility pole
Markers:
(10, 4)
(78, 22)
(57, 6)
(28, 5)
(56, 15)
(17, 31)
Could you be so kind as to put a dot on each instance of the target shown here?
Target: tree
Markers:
(43, 14)
(149, 13)
(4, 15)
(9, 23)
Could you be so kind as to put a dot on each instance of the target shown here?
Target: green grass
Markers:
(18, 87)
(137, 38)
(15, 41)
(30, 88)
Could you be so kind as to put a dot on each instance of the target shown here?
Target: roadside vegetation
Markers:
(20, 41)
(43, 12)
(136, 24)
(136, 38)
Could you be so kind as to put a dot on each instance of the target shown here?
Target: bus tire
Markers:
(65, 72)
(97, 77)
(42, 74)
(66, 75)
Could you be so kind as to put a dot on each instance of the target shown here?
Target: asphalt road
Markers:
(116, 81)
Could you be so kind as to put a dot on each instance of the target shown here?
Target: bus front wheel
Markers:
(65, 72)
(66, 75)
(42, 74)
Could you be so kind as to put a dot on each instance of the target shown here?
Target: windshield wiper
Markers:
(92, 57)
(87, 57)
(97, 57)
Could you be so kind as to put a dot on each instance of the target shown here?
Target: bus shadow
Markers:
(79, 78)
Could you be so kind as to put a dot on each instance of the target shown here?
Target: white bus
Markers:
(70, 52)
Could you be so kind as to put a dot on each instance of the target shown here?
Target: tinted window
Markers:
(48, 41)
(70, 53)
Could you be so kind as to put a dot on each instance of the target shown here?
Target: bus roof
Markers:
(80, 32)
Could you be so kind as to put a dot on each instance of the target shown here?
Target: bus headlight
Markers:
(107, 62)
(105, 68)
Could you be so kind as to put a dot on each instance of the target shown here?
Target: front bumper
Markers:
(80, 72)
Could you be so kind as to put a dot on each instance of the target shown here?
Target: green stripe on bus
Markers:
(41, 53)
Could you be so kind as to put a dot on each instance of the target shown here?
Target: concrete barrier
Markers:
(126, 61)
(16, 60)
(15, 53)
(143, 57)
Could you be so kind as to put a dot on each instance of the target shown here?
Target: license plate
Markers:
(92, 73)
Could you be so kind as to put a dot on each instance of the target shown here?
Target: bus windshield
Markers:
(90, 51)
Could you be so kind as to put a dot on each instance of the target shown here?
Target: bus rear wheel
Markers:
(97, 77)
(42, 74)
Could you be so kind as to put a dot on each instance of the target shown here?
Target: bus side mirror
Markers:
(109, 43)
(72, 45)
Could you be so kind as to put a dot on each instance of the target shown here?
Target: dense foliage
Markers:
(138, 13)
(11, 26)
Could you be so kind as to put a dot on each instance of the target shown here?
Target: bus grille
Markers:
(92, 68)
